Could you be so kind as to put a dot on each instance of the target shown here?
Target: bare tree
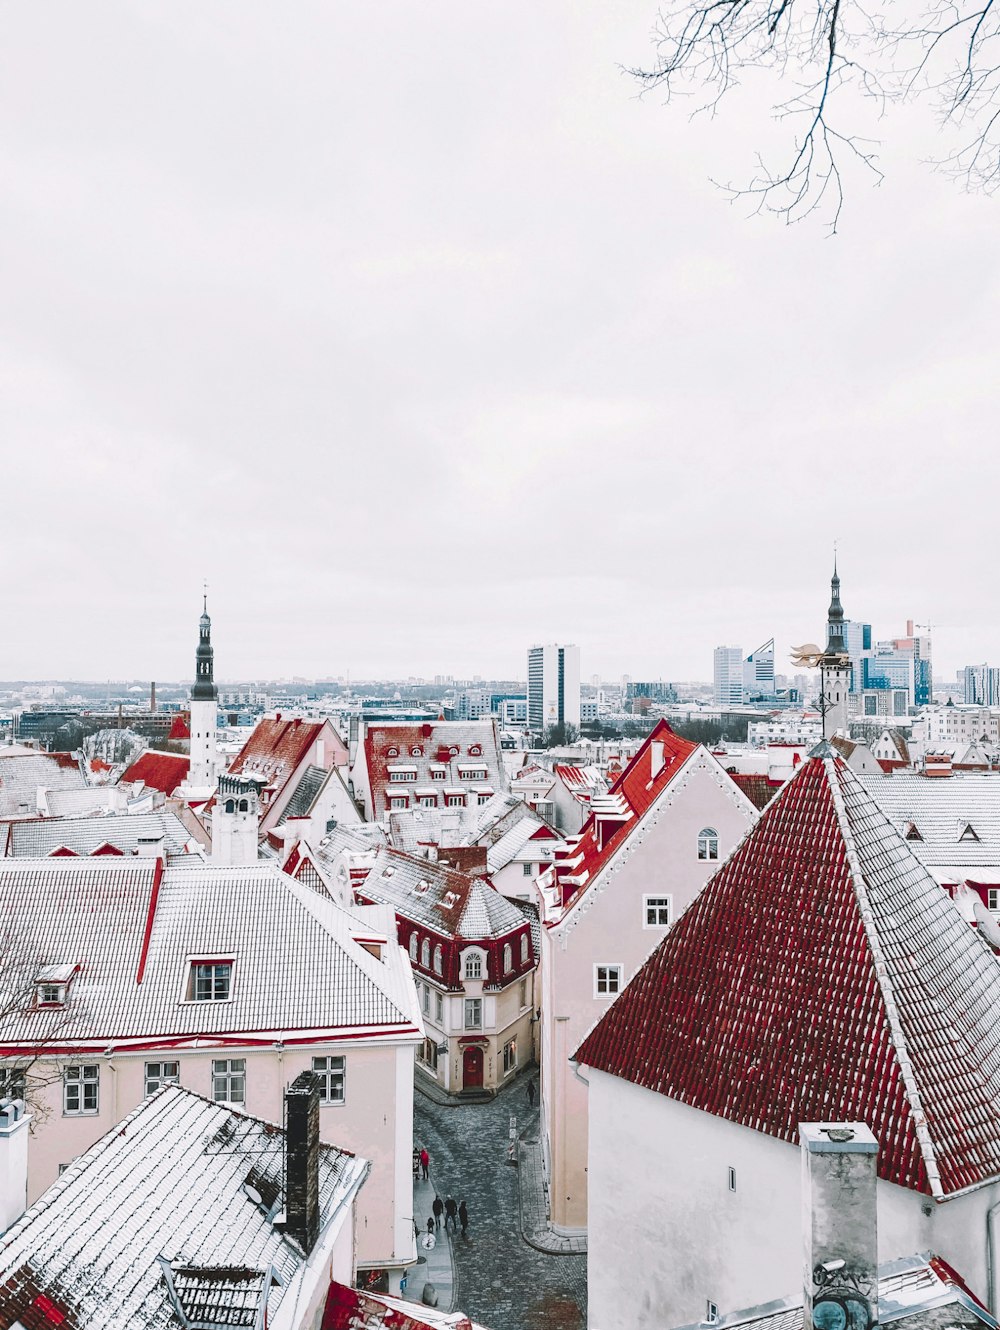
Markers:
(819, 52)
(27, 1065)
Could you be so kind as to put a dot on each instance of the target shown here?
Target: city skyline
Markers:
(293, 325)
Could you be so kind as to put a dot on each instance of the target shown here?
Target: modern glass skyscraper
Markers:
(553, 686)
(728, 676)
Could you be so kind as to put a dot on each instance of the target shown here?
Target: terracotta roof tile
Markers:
(823, 975)
(160, 771)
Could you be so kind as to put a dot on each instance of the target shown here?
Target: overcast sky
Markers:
(422, 337)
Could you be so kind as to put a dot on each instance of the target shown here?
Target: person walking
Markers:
(430, 1225)
(425, 1161)
(531, 1094)
(463, 1218)
(438, 1208)
(450, 1214)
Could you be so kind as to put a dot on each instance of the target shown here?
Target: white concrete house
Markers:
(648, 847)
(821, 975)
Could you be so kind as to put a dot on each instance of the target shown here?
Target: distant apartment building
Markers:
(981, 685)
(589, 710)
(961, 724)
(514, 713)
(553, 686)
(471, 704)
(728, 677)
(653, 691)
(758, 672)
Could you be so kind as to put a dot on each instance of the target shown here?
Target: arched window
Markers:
(473, 965)
(524, 948)
(230, 805)
(244, 806)
(413, 946)
(425, 954)
(438, 959)
(708, 843)
(508, 958)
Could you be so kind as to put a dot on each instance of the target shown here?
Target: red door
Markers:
(472, 1069)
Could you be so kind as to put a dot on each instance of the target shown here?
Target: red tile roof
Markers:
(603, 835)
(823, 975)
(160, 771)
(758, 788)
(179, 729)
(276, 747)
(350, 1309)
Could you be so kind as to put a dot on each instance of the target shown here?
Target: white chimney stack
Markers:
(14, 1119)
(839, 1225)
(656, 758)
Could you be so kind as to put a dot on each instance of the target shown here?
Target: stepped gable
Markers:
(822, 975)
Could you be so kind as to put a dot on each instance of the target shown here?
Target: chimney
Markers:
(656, 758)
(150, 847)
(302, 1160)
(152, 696)
(838, 1224)
(14, 1119)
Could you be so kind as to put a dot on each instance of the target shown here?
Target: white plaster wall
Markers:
(666, 1234)
(608, 927)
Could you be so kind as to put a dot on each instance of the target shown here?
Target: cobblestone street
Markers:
(501, 1281)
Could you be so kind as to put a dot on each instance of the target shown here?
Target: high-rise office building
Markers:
(758, 671)
(728, 676)
(553, 687)
(981, 685)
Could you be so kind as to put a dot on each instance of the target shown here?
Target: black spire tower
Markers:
(204, 689)
(835, 644)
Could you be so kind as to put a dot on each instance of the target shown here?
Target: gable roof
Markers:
(168, 1179)
(132, 926)
(422, 748)
(24, 772)
(160, 771)
(616, 815)
(453, 904)
(278, 745)
(822, 975)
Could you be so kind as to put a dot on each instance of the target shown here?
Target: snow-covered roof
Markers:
(452, 903)
(940, 809)
(23, 773)
(162, 1199)
(134, 929)
(83, 835)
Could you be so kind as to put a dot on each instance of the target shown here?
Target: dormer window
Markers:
(473, 968)
(449, 899)
(416, 752)
(438, 773)
(968, 832)
(421, 886)
(475, 751)
(210, 981)
(52, 985)
(392, 752)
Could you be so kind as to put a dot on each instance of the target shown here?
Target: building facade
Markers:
(553, 687)
(727, 673)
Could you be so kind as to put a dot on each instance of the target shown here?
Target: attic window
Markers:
(450, 897)
(210, 981)
(911, 832)
(453, 750)
(52, 985)
(388, 872)
(50, 995)
(416, 752)
(392, 752)
(421, 886)
(968, 833)
(475, 751)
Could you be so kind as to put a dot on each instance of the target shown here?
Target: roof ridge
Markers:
(882, 975)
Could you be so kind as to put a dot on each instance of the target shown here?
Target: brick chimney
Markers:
(839, 1225)
(14, 1119)
(302, 1160)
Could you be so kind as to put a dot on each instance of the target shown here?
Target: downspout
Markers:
(991, 1257)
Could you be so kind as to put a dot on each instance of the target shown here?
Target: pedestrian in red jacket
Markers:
(425, 1161)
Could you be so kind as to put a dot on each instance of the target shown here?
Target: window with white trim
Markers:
(993, 898)
(210, 981)
(473, 1013)
(414, 943)
(522, 994)
(454, 801)
(708, 843)
(427, 1000)
(438, 1007)
(81, 1089)
(229, 1080)
(527, 869)
(508, 958)
(711, 1312)
(159, 1074)
(438, 775)
(657, 911)
(50, 995)
(473, 968)
(524, 948)
(438, 959)
(732, 1179)
(425, 953)
(332, 1073)
(509, 1056)
(427, 801)
(607, 980)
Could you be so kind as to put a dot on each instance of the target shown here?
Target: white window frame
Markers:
(611, 976)
(658, 902)
(82, 1090)
(425, 953)
(332, 1073)
(472, 1007)
(522, 994)
(524, 949)
(201, 958)
(528, 868)
(473, 965)
(413, 944)
(426, 1004)
(708, 845)
(155, 1080)
(508, 958)
(438, 959)
(439, 1008)
(51, 995)
(993, 898)
(230, 1072)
